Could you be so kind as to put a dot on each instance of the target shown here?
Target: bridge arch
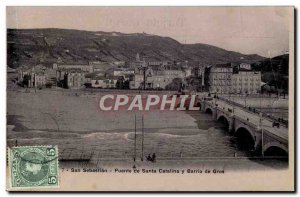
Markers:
(245, 138)
(208, 110)
(275, 149)
(223, 119)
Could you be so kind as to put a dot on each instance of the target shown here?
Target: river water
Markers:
(85, 132)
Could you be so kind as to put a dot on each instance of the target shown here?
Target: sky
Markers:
(249, 30)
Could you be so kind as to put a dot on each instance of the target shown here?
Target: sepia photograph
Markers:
(150, 98)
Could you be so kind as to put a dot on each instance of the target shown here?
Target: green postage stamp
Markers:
(33, 167)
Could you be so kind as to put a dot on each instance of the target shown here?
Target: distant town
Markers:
(145, 75)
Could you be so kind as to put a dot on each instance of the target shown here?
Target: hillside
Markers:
(32, 46)
(275, 71)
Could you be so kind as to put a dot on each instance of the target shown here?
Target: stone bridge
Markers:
(253, 130)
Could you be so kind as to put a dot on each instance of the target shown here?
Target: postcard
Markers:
(150, 99)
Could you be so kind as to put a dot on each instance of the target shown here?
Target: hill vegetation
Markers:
(32, 46)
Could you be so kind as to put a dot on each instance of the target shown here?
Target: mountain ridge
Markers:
(48, 45)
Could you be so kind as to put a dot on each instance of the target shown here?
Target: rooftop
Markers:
(75, 64)
(75, 70)
(105, 77)
(228, 65)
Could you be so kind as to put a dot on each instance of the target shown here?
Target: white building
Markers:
(121, 72)
(156, 79)
(246, 82)
(244, 66)
(104, 82)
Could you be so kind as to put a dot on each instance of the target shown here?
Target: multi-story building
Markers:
(104, 82)
(38, 79)
(199, 73)
(119, 63)
(156, 78)
(74, 79)
(246, 82)
(22, 74)
(158, 63)
(122, 71)
(158, 74)
(99, 66)
(244, 66)
(220, 78)
(33, 78)
(137, 63)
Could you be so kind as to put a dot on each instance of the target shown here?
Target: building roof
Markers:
(75, 70)
(102, 65)
(245, 70)
(105, 78)
(123, 69)
(94, 74)
(248, 71)
(10, 69)
(39, 73)
(228, 65)
(98, 78)
(75, 64)
(71, 69)
(263, 83)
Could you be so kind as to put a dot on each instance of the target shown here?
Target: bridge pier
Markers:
(214, 113)
(202, 106)
(258, 142)
(231, 125)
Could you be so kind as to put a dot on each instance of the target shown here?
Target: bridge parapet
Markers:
(263, 139)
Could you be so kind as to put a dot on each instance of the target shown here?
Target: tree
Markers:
(48, 85)
(88, 85)
(126, 84)
(120, 82)
(25, 81)
(176, 85)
